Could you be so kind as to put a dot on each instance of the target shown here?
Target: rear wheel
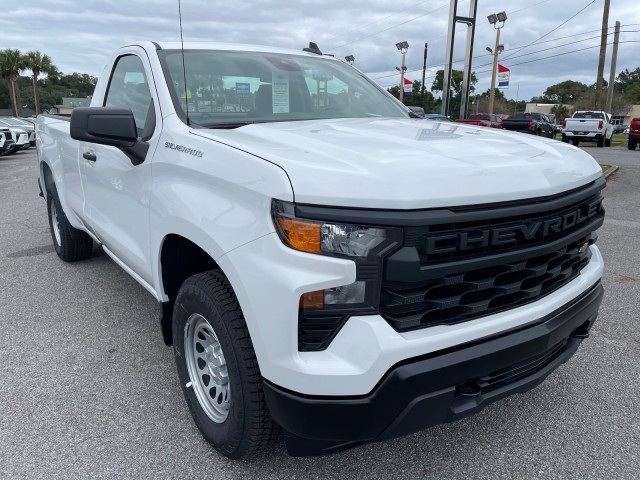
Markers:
(607, 142)
(575, 142)
(632, 143)
(217, 368)
(564, 138)
(600, 143)
(70, 243)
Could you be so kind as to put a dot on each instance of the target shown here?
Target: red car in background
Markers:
(634, 133)
(483, 120)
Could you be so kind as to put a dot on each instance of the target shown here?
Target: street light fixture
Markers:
(403, 47)
(350, 59)
(497, 20)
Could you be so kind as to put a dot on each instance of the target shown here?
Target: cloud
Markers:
(79, 36)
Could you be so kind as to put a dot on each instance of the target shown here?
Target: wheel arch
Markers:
(179, 259)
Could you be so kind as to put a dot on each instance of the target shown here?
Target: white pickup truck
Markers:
(587, 126)
(328, 267)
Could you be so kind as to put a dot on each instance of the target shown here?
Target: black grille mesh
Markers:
(465, 296)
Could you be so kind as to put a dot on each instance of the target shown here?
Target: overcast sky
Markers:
(79, 35)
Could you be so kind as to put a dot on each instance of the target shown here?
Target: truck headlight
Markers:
(315, 236)
(364, 244)
(322, 313)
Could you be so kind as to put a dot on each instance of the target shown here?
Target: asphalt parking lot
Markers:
(88, 389)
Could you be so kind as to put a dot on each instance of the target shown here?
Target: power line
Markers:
(547, 57)
(387, 29)
(556, 28)
(527, 54)
(380, 19)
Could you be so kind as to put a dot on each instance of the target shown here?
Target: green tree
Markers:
(628, 83)
(455, 88)
(565, 92)
(11, 64)
(39, 63)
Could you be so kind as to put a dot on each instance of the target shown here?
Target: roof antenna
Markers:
(184, 69)
(313, 48)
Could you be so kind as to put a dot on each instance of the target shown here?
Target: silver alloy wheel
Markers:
(55, 226)
(207, 367)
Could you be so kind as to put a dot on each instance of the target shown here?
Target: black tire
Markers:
(575, 142)
(70, 243)
(564, 138)
(248, 427)
(600, 143)
(607, 142)
(632, 144)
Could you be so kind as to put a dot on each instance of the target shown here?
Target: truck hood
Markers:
(411, 163)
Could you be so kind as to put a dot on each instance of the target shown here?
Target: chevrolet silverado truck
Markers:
(327, 267)
(482, 120)
(533, 123)
(587, 126)
(634, 133)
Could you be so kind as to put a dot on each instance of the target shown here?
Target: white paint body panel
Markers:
(221, 201)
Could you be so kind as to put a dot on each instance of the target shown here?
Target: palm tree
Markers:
(11, 64)
(39, 63)
(561, 111)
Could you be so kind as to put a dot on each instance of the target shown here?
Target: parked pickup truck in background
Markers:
(634, 133)
(482, 120)
(587, 126)
(534, 123)
(326, 265)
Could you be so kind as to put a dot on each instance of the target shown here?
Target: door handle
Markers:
(89, 156)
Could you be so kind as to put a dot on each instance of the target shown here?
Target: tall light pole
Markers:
(403, 47)
(497, 20)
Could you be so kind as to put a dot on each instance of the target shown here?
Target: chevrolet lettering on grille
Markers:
(509, 234)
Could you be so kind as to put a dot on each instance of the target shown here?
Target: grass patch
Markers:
(619, 140)
(605, 169)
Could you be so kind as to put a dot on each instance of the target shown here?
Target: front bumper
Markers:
(435, 388)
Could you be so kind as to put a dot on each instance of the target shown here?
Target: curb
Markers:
(611, 171)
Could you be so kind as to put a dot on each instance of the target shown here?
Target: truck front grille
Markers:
(460, 297)
(463, 264)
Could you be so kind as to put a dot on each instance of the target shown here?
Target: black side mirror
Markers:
(115, 127)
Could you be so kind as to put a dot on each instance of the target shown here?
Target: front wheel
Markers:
(70, 243)
(632, 143)
(217, 367)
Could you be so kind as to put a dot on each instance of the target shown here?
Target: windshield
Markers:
(591, 115)
(231, 89)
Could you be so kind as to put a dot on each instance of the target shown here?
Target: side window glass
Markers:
(128, 88)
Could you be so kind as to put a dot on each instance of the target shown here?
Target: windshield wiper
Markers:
(229, 125)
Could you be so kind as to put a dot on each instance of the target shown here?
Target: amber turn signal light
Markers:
(304, 236)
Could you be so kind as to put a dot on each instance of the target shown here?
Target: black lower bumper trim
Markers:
(434, 389)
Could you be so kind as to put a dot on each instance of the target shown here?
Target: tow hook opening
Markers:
(582, 331)
(470, 388)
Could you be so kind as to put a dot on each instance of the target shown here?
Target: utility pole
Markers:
(497, 20)
(603, 52)
(492, 93)
(424, 72)
(612, 74)
(403, 68)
